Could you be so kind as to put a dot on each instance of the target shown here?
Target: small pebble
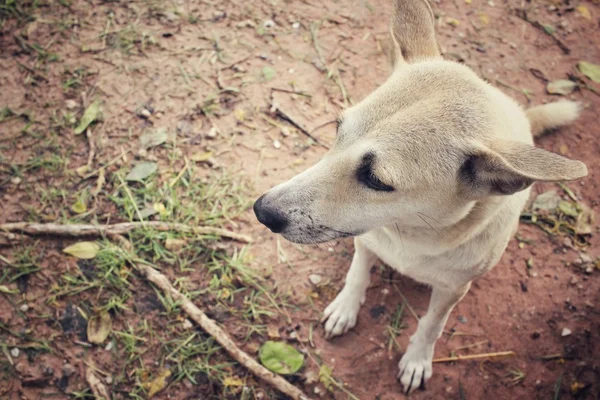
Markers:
(269, 23)
(145, 113)
(276, 144)
(574, 280)
(68, 370)
(565, 332)
(212, 133)
(24, 307)
(315, 279)
(589, 270)
(296, 25)
(15, 352)
(70, 104)
(585, 258)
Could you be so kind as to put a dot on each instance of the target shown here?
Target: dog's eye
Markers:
(366, 176)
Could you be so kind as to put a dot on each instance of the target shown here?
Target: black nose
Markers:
(272, 219)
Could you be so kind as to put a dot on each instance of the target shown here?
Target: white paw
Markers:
(340, 316)
(415, 366)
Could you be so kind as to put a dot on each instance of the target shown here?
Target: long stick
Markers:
(474, 356)
(220, 336)
(77, 230)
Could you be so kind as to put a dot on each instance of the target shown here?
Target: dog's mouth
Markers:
(316, 235)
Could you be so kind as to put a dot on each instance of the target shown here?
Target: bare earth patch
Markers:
(197, 107)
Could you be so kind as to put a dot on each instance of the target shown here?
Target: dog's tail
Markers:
(553, 115)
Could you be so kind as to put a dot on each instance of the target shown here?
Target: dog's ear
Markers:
(507, 167)
(412, 30)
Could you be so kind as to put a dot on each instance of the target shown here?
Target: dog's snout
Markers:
(271, 218)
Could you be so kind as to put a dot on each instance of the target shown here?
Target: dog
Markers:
(429, 173)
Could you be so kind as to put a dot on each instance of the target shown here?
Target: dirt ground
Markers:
(230, 93)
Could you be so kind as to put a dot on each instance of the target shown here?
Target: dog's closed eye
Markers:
(367, 177)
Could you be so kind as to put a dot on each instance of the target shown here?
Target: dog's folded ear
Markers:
(507, 167)
(412, 30)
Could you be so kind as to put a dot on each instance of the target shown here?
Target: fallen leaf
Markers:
(96, 385)
(561, 86)
(6, 290)
(269, 73)
(586, 220)
(141, 171)
(325, 376)
(485, 20)
(563, 149)
(280, 357)
(452, 21)
(202, 157)
(160, 208)
(174, 244)
(273, 333)
(568, 208)
(590, 70)
(99, 327)
(547, 201)
(83, 250)
(584, 11)
(79, 207)
(159, 383)
(233, 381)
(90, 115)
(576, 387)
(239, 114)
(147, 212)
(153, 138)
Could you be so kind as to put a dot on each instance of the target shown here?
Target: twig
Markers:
(523, 15)
(221, 336)
(291, 92)
(78, 230)
(412, 311)
(474, 356)
(96, 385)
(283, 115)
(92, 153)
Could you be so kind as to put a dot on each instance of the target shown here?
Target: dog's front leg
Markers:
(415, 365)
(340, 315)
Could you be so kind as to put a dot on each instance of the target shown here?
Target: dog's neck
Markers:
(478, 217)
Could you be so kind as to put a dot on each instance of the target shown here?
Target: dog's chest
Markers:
(418, 260)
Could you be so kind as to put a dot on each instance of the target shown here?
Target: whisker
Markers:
(428, 224)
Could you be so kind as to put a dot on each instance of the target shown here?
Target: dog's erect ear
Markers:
(413, 34)
(506, 167)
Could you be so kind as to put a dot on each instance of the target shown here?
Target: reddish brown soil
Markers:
(508, 308)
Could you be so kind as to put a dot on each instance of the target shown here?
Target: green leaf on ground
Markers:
(280, 357)
(90, 115)
(141, 171)
(83, 250)
(590, 70)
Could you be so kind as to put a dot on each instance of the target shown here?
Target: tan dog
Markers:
(430, 173)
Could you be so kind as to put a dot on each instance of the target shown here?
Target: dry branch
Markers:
(220, 336)
(475, 356)
(536, 24)
(78, 230)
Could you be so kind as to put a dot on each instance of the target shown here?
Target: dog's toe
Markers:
(414, 369)
(340, 316)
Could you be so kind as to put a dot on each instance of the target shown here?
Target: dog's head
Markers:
(417, 152)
